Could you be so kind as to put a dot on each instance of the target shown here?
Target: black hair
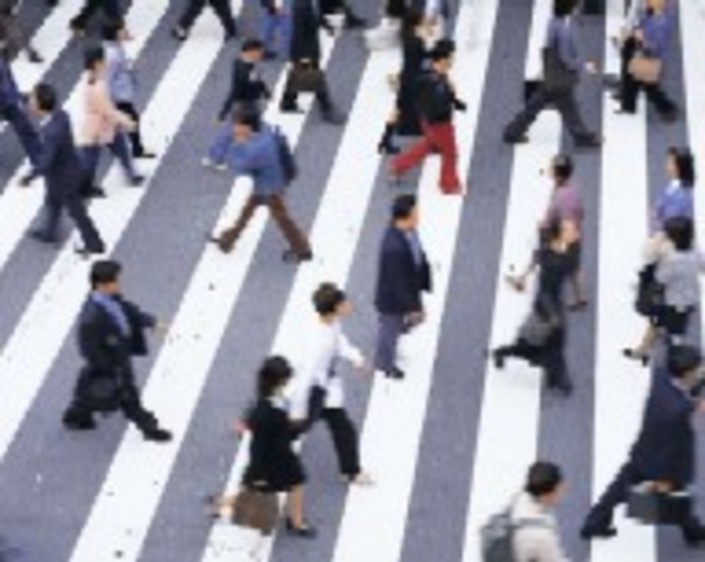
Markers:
(327, 298)
(252, 44)
(680, 231)
(92, 56)
(45, 95)
(441, 51)
(563, 8)
(112, 29)
(543, 478)
(682, 359)
(249, 117)
(685, 165)
(562, 167)
(403, 206)
(104, 271)
(273, 373)
(413, 18)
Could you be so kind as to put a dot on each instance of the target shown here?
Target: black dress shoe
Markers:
(179, 34)
(85, 424)
(587, 533)
(289, 108)
(145, 155)
(157, 435)
(305, 531)
(289, 256)
(86, 252)
(395, 373)
(522, 139)
(94, 192)
(41, 236)
(636, 356)
(498, 359)
(590, 141)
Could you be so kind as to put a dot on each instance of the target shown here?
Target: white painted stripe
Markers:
(334, 237)
(51, 312)
(620, 385)
(126, 504)
(541, 16)
(374, 519)
(18, 205)
(509, 415)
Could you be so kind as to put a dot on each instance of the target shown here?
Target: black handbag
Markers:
(650, 297)
(102, 390)
(655, 508)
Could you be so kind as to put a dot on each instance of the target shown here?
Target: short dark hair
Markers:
(92, 55)
(682, 359)
(562, 167)
(104, 271)
(45, 95)
(403, 206)
(680, 231)
(252, 44)
(112, 29)
(249, 117)
(274, 372)
(327, 298)
(562, 8)
(441, 51)
(685, 165)
(543, 478)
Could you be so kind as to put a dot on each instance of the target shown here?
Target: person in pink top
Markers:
(566, 206)
(104, 125)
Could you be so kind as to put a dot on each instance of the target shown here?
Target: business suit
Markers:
(222, 10)
(107, 348)
(64, 175)
(561, 38)
(402, 278)
(664, 451)
(13, 111)
(111, 9)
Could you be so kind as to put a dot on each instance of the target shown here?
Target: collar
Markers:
(674, 185)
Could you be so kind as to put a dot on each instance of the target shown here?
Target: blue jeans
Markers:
(218, 150)
(120, 149)
(15, 115)
(277, 24)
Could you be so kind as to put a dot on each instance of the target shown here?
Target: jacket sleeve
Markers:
(90, 343)
(47, 153)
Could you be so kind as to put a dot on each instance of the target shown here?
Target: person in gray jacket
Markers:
(560, 38)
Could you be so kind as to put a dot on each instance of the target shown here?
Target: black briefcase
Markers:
(654, 508)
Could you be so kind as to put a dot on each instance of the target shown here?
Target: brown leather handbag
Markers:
(305, 77)
(646, 70)
(256, 509)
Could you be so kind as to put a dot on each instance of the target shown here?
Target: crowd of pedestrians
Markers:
(294, 393)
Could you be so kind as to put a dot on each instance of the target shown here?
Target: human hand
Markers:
(662, 486)
(591, 67)
(161, 328)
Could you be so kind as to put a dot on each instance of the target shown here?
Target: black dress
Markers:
(272, 459)
(414, 56)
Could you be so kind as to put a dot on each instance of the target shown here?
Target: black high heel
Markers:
(386, 144)
(305, 531)
(632, 354)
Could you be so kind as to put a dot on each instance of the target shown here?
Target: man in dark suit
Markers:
(63, 173)
(193, 10)
(111, 9)
(403, 275)
(12, 110)
(110, 332)
(664, 452)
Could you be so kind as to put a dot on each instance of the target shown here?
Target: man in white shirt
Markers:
(536, 538)
(317, 391)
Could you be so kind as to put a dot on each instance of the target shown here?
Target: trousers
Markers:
(135, 136)
(111, 9)
(76, 209)
(391, 327)
(438, 136)
(222, 10)
(29, 139)
(345, 441)
(277, 208)
(119, 147)
(630, 88)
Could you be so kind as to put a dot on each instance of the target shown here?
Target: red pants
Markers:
(440, 136)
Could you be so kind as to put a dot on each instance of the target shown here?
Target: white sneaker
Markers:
(208, 163)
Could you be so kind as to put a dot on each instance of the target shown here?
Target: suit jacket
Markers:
(306, 22)
(400, 281)
(9, 92)
(665, 447)
(59, 161)
(102, 119)
(102, 343)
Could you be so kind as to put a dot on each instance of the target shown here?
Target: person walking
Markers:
(257, 153)
(194, 8)
(273, 465)
(676, 200)
(561, 49)
(318, 391)
(276, 28)
(12, 35)
(122, 82)
(61, 166)
(110, 332)
(436, 102)
(12, 110)
(110, 8)
(248, 92)
(104, 125)
(536, 537)
(403, 275)
(305, 62)
(663, 454)
(648, 42)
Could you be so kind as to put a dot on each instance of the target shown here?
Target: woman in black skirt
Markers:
(274, 466)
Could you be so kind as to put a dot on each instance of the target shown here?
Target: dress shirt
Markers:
(674, 201)
(322, 346)
(114, 310)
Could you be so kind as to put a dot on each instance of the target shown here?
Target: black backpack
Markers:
(286, 156)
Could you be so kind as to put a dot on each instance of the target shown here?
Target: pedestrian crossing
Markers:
(110, 495)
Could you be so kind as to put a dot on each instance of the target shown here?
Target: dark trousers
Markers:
(76, 208)
(322, 94)
(345, 441)
(120, 148)
(280, 214)
(26, 133)
(601, 514)
(135, 136)
(222, 10)
(111, 9)
(438, 136)
(550, 357)
(630, 88)
(80, 409)
(563, 101)
(391, 327)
